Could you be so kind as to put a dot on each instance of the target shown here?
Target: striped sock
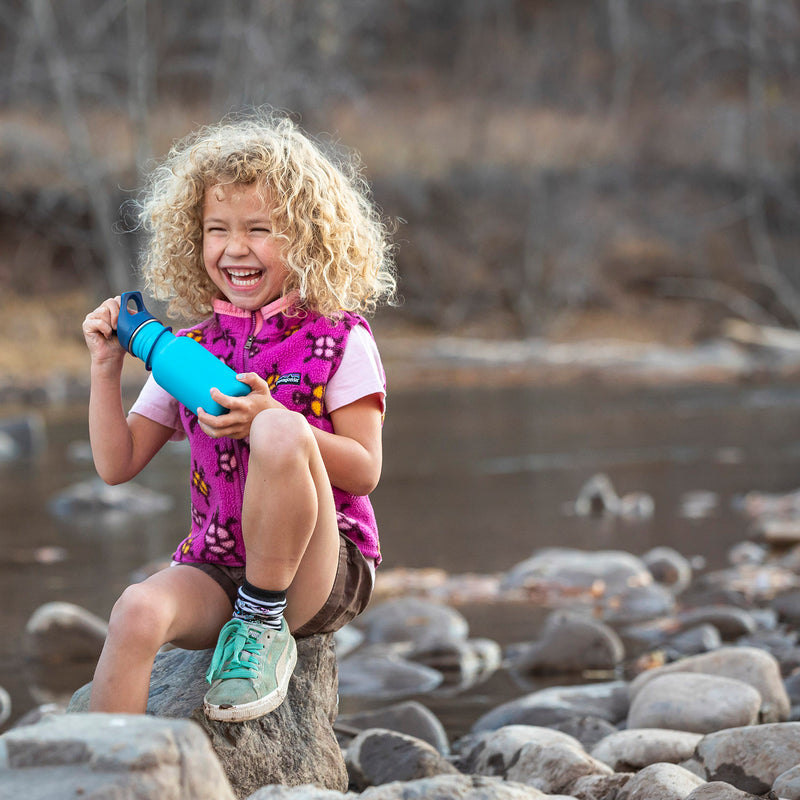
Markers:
(260, 605)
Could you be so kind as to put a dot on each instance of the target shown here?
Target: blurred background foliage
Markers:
(560, 167)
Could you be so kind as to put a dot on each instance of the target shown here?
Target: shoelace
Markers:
(239, 655)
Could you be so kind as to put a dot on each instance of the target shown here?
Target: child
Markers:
(252, 224)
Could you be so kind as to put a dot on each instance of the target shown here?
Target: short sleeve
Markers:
(360, 372)
(159, 406)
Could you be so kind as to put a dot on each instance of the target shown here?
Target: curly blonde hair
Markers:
(334, 242)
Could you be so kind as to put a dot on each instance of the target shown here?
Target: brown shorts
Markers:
(349, 596)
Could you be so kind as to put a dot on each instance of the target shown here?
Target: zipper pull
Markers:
(249, 344)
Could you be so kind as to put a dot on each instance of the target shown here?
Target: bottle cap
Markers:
(128, 322)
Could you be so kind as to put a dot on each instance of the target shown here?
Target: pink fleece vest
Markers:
(296, 355)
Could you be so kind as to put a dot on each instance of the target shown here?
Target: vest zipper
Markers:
(248, 345)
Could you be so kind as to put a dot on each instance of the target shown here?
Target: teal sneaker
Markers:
(250, 671)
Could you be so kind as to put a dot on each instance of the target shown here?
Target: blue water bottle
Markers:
(180, 365)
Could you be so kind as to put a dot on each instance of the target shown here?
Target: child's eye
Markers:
(261, 230)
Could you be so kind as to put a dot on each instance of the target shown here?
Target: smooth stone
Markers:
(462, 663)
(494, 752)
(607, 700)
(5, 706)
(599, 787)
(699, 639)
(571, 643)
(409, 717)
(751, 665)
(554, 767)
(381, 673)
(305, 792)
(694, 702)
(668, 568)
(631, 750)
(294, 744)
(730, 621)
(454, 787)
(660, 782)
(718, 790)
(22, 436)
(110, 755)
(540, 757)
(59, 633)
(94, 500)
(377, 756)
(750, 758)
(787, 784)
(408, 619)
(587, 730)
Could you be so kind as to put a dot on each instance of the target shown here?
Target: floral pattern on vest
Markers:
(297, 356)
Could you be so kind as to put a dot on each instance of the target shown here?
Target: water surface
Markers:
(474, 480)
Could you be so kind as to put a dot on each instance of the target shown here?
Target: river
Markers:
(474, 480)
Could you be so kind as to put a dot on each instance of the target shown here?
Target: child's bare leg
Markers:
(179, 604)
(289, 518)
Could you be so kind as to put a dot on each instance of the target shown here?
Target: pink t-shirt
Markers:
(360, 374)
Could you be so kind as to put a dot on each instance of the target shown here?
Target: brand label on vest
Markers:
(292, 378)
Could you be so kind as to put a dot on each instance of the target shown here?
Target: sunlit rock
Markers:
(668, 568)
(420, 622)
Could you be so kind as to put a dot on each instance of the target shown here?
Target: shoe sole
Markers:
(256, 709)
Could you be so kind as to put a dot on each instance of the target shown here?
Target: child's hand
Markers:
(241, 410)
(98, 328)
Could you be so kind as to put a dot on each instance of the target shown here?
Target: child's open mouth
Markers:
(243, 278)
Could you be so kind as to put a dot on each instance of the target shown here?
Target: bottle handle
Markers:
(128, 323)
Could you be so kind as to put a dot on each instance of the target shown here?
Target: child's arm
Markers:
(120, 447)
(353, 453)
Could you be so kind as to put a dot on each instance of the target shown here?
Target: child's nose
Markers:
(236, 245)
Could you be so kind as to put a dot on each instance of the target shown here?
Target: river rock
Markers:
(408, 619)
(748, 664)
(750, 758)
(546, 759)
(571, 643)
(719, 790)
(379, 672)
(5, 706)
(631, 750)
(378, 756)
(110, 755)
(454, 787)
(669, 568)
(410, 717)
(606, 700)
(731, 621)
(292, 745)
(95, 501)
(691, 642)
(599, 787)
(22, 436)
(554, 767)
(462, 662)
(59, 633)
(694, 702)
(660, 782)
(787, 784)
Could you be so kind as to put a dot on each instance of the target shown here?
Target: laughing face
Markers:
(240, 253)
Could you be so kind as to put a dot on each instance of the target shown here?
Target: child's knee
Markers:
(280, 437)
(138, 616)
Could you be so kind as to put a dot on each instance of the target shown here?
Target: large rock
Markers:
(59, 633)
(750, 758)
(546, 707)
(660, 782)
(377, 756)
(631, 750)
(694, 702)
(748, 664)
(571, 643)
(123, 756)
(293, 745)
